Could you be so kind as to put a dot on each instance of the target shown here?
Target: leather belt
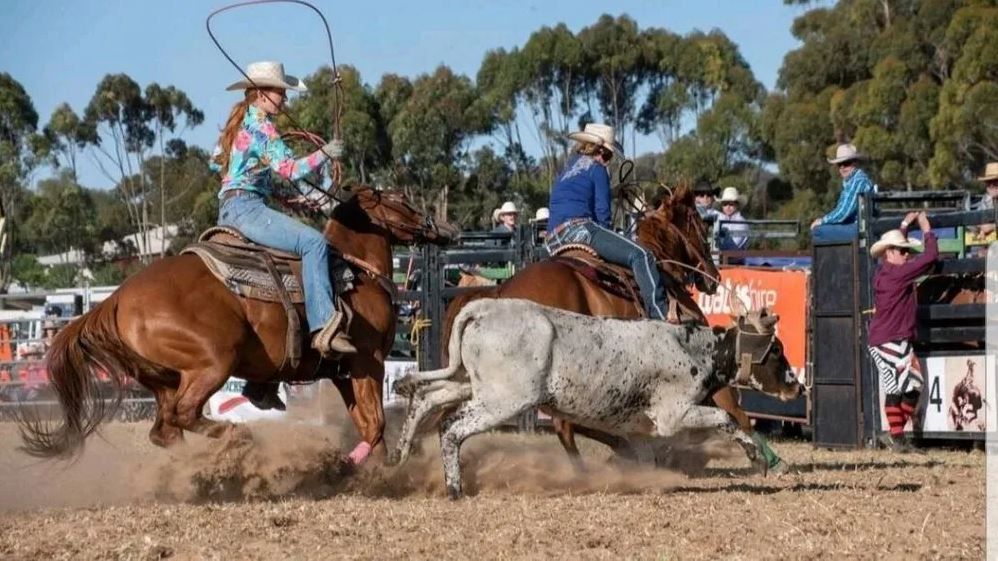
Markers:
(231, 194)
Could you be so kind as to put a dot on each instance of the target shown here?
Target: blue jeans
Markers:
(250, 214)
(617, 249)
(835, 233)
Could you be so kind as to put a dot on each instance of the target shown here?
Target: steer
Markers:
(638, 379)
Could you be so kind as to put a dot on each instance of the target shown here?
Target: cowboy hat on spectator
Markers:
(542, 214)
(990, 172)
(705, 188)
(507, 207)
(893, 238)
(600, 135)
(730, 195)
(845, 153)
(268, 74)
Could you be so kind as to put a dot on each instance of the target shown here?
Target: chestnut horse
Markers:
(673, 232)
(181, 333)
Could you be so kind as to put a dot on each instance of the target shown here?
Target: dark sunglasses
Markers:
(729, 203)
(844, 164)
(902, 250)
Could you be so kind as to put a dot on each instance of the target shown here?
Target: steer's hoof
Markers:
(393, 459)
(781, 468)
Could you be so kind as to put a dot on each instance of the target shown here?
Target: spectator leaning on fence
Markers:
(540, 221)
(704, 194)
(990, 197)
(893, 327)
(733, 236)
(841, 223)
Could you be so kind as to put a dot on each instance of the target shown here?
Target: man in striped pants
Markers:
(893, 327)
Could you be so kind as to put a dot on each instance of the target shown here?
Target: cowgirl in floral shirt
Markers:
(249, 152)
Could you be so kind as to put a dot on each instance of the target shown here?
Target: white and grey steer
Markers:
(634, 378)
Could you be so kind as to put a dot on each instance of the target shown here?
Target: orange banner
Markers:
(783, 292)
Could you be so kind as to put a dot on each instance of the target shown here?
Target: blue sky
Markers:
(60, 50)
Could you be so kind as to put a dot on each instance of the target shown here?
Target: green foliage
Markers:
(913, 84)
(26, 271)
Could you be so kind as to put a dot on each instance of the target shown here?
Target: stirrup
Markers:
(332, 338)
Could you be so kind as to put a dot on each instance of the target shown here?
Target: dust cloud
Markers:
(303, 458)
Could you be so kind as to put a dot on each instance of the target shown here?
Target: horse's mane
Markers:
(657, 230)
(349, 212)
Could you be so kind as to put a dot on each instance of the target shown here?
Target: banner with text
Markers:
(782, 292)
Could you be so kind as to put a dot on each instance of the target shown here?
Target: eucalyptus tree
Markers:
(430, 133)
(911, 83)
(20, 145)
(167, 105)
(366, 151)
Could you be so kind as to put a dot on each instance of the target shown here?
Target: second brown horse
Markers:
(674, 233)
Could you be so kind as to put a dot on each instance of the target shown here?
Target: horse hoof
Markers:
(360, 453)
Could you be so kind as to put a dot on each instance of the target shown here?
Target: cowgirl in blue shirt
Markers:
(580, 214)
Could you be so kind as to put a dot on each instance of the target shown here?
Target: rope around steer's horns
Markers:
(337, 100)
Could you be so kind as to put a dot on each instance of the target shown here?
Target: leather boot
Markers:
(332, 338)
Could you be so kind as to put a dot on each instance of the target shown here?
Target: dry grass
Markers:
(127, 500)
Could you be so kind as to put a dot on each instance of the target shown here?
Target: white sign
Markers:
(957, 396)
(229, 404)
(395, 369)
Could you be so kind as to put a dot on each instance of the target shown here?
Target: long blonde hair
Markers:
(231, 129)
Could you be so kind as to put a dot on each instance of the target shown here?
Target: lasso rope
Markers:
(336, 172)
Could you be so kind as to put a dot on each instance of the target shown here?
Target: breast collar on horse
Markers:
(383, 280)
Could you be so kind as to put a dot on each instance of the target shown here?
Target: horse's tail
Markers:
(79, 354)
(454, 308)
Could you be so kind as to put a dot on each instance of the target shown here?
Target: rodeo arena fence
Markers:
(823, 297)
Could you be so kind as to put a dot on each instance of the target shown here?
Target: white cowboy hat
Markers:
(542, 214)
(893, 238)
(268, 74)
(507, 208)
(600, 135)
(990, 172)
(845, 153)
(730, 195)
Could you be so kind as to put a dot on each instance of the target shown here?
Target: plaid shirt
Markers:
(853, 186)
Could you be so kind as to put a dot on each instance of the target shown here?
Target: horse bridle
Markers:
(429, 226)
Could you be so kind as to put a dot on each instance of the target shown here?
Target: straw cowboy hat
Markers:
(542, 214)
(990, 172)
(730, 195)
(600, 135)
(268, 74)
(845, 153)
(507, 208)
(893, 238)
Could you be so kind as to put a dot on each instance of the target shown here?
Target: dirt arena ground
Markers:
(286, 497)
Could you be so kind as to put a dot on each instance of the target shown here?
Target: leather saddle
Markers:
(254, 271)
(619, 281)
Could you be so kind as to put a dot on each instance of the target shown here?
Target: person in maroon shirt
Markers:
(893, 327)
